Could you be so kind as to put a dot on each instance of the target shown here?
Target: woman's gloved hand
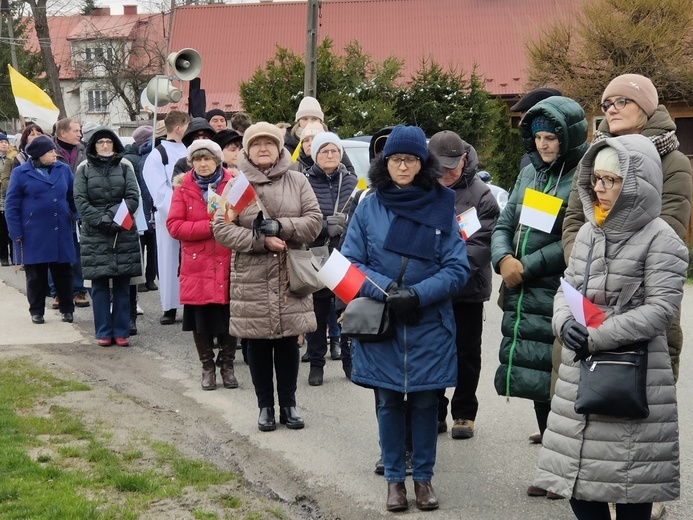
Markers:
(106, 223)
(404, 304)
(574, 337)
(335, 224)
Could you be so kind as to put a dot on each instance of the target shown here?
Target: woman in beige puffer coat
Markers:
(637, 268)
(263, 310)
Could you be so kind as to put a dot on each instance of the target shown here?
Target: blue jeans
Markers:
(111, 322)
(392, 429)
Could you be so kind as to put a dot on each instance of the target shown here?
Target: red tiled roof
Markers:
(235, 39)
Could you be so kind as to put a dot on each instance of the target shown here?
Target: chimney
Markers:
(129, 9)
(101, 11)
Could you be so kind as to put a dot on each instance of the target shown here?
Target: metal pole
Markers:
(311, 72)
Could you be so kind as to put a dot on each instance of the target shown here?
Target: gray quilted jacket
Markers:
(636, 276)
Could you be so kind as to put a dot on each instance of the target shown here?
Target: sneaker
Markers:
(140, 312)
(463, 429)
(80, 300)
(658, 510)
(55, 304)
(535, 438)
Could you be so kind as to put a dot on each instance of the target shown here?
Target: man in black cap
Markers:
(477, 212)
(216, 119)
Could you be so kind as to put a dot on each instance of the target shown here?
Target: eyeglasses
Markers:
(397, 161)
(607, 182)
(328, 152)
(104, 142)
(618, 104)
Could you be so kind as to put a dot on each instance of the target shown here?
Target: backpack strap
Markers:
(164, 154)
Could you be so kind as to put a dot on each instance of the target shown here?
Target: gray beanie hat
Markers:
(309, 106)
(205, 144)
(321, 140)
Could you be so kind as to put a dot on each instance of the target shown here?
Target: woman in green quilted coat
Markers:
(531, 261)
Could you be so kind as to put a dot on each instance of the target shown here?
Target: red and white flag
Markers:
(585, 312)
(341, 276)
(122, 217)
(241, 194)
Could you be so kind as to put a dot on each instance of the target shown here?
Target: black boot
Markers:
(133, 325)
(266, 421)
(289, 416)
(225, 359)
(169, 317)
(205, 350)
(315, 376)
(335, 349)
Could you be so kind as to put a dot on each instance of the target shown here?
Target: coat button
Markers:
(55, 214)
(56, 229)
(55, 200)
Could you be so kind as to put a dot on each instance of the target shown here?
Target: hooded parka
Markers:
(636, 276)
(419, 357)
(262, 307)
(525, 350)
(101, 184)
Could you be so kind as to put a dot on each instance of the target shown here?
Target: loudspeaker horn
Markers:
(185, 64)
(163, 91)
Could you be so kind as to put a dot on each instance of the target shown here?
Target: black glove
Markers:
(574, 337)
(335, 224)
(404, 304)
(105, 223)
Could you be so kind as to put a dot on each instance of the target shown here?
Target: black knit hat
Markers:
(215, 112)
(41, 145)
(225, 137)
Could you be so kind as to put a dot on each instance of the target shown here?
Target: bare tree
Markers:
(613, 37)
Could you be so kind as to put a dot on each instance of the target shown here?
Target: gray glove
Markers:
(335, 224)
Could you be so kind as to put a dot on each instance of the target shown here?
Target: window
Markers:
(98, 100)
(99, 54)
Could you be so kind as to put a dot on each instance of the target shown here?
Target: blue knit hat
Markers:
(40, 146)
(406, 139)
(542, 124)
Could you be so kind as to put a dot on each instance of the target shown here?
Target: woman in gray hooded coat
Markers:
(636, 268)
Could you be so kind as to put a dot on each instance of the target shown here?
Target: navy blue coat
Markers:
(39, 212)
(420, 357)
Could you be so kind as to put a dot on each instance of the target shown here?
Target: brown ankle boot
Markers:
(396, 497)
(426, 498)
(205, 350)
(225, 359)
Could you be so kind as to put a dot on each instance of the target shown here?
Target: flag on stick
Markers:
(33, 103)
(585, 312)
(123, 217)
(539, 210)
(241, 194)
(468, 222)
(341, 276)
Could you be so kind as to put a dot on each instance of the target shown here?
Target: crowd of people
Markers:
(427, 233)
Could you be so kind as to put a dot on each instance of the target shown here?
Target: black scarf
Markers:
(203, 182)
(418, 214)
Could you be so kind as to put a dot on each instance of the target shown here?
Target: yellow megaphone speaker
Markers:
(163, 91)
(185, 64)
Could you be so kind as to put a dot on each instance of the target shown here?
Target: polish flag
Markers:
(123, 217)
(241, 194)
(341, 277)
(585, 312)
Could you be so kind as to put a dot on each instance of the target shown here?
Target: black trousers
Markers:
(148, 243)
(5, 241)
(266, 356)
(37, 286)
(317, 341)
(585, 510)
(469, 317)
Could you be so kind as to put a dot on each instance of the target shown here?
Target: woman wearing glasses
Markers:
(405, 238)
(333, 185)
(110, 253)
(630, 263)
(631, 106)
(530, 260)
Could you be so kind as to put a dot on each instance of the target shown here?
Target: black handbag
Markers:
(367, 319)
(614, 382)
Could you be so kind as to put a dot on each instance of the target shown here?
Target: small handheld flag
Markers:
(539, 210)
(341, 276)
(469, 223)
(585, 312)
(123, 217)
(241, 194)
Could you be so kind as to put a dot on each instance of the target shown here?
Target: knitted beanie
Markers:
(606, 160)
(636, 87)
(205, 144)
(88, 130)
(41, 145)
(542, 124)
(309, 106)
(406, 139)
(321, 140)
(3, 137)
(263, 129)
(142, 134)
(215, 112)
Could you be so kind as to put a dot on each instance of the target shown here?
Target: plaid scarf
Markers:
(665, 143)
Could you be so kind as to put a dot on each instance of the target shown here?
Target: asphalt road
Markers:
(331, 461)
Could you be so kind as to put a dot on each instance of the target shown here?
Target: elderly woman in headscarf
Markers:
(284, 214)
(204, 263)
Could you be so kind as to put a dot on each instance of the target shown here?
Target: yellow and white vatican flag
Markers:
(33, 103)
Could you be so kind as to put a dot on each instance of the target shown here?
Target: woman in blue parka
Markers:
(408, 223)
(39, 209)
